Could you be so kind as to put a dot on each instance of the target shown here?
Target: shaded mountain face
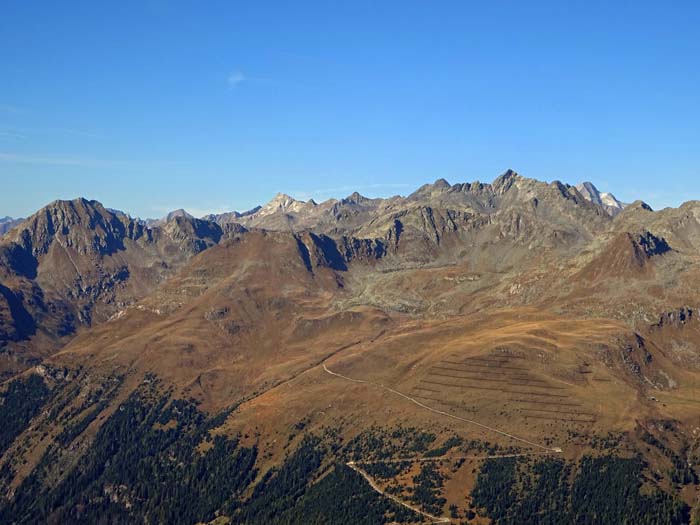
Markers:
(274, 361)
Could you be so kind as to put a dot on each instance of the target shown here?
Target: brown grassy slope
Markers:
(236, 322)
(251, 314)
(509, 369)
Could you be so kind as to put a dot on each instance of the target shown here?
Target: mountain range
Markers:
(7, 223)
(446, 355)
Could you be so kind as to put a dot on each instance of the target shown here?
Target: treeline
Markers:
(154, 461)
(303, 491)
(605, 490)
(19, 403)
(427, 486)
(143, 466)
(377, 443)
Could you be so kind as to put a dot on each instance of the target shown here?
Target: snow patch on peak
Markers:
(607, 200)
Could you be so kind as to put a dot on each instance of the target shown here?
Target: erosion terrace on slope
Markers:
(506, 352)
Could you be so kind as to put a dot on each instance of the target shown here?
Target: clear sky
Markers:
(153, 105)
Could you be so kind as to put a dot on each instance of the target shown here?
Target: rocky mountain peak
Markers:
(604, 199)
(178, 213)
(82, 224)
(430, 190)
(505, 181)
(282, 200)
(441, 184)
(354, 198)
(153, 223)
(639, 205)
(284, 203)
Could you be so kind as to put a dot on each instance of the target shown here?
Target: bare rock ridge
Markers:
(436, 210)
(228, 217)
(285, 204)
(84, 226)
(285, 213)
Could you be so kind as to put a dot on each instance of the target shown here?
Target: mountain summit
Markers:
(284, 203)
(606, 200)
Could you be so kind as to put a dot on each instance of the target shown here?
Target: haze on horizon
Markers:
(154, 106)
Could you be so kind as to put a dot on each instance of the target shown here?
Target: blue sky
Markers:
(154, 105)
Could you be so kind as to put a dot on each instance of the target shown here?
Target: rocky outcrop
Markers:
(678, 318)
(324, 251)
(648, 245)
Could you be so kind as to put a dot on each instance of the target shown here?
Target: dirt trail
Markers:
(376, 488)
